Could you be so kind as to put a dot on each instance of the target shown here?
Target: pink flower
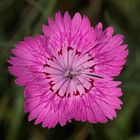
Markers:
(68, 72)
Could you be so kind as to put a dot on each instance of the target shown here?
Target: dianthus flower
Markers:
(68, 72)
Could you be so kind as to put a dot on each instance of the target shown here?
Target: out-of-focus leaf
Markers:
(48, 10)
(16, 117)
(134, 138)
(3, 106)
(120, 129)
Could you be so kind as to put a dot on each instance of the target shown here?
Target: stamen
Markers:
(93, 75)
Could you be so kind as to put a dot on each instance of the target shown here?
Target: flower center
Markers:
(70, 73)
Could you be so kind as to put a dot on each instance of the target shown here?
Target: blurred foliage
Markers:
(21, 18)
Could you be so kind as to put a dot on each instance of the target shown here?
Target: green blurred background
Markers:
(19, 18)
